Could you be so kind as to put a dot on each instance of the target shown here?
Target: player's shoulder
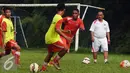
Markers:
(2, 16)
(79, 19)
(5, 19)
(95, 21)
(68, 18)
(56, 18)
(104, 21)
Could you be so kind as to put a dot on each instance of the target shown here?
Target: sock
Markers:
(95, 60)
(13, 52)
(105, 60)
(51, 61)
(44, 66)
(56, 59)
(17, 57)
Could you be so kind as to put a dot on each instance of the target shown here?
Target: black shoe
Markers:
(106, 62)
(95, 62)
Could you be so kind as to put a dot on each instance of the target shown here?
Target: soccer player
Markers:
(56, 38)
(71, 25)
(100, 36)
(1, 18)
(8, 35)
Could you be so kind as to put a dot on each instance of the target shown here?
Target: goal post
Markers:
(54, 5)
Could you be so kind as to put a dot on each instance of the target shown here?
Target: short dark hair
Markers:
(100, 11)
(60, 7)
(6, 8)
(76, 9)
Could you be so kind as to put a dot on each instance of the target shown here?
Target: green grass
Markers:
(71, 63)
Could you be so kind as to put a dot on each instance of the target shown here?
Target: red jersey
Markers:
(1, 28)
(72, 25)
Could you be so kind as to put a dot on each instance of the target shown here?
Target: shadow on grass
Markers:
(72, 50)
(35, 49)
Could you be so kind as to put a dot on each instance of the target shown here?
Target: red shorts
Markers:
(10, 44)
(58, 46)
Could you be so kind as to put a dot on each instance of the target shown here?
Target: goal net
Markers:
(32, 21)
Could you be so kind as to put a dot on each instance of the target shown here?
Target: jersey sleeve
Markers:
(0, 19)
(3, 26)
(92, 27)
(82, 25)
(108, 29)
(65, 19)
(59, 23)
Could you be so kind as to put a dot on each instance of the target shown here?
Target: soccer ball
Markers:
(34, 67)
(86, 60)
(125, 64)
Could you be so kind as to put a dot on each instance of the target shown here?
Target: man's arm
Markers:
(66, 31)
(82, 25)
(92, 36)
(108, 33)
(92, 31)
(65, 20)
(60, 31)
(108, 36)
(3, 32)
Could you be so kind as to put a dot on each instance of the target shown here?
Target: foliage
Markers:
(35, 29)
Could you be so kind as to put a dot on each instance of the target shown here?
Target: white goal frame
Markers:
(54, 5)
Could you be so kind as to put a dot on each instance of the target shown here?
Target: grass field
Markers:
(71, 63)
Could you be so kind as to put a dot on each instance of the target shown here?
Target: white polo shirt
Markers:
(99, 28)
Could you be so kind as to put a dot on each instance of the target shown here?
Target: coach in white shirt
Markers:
(100, 36)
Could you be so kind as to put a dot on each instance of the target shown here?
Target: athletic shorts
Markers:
(10, 44)
(99, 42)
(58, 46)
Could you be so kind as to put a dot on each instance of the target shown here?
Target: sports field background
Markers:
(72, 63)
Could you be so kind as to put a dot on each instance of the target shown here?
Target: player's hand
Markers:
(69, 32)
(109, 41)
(92, 39)
(70, 40)
(66, 47)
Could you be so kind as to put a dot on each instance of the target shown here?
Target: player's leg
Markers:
(95, 48)
(95, 57)
(7, 50)
(63, 50)
(51, 60)
(58, 57)
(15, 50)
(106, 56)
(104, 45)
(48, 57)
(52, 48)
(68, 44)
